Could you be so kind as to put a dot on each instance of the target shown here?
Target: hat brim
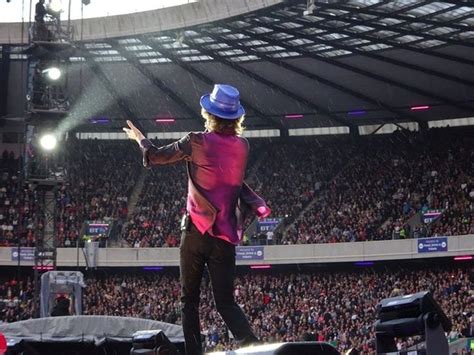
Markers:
(209, 107)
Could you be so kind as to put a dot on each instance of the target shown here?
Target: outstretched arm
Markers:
(254, 201)
(166, 154)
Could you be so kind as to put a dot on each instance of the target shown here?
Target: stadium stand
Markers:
(19, 221)
(319, 305)
(101, 177)
(334, 189)
(386, 183)
(358, 190)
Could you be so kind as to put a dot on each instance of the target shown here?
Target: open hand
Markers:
(263, 212)
(133, 132)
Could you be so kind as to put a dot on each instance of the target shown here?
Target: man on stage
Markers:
(218, 200)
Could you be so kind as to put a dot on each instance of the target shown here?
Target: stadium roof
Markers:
(342, 63)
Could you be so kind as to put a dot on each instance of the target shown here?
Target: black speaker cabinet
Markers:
(152, 342)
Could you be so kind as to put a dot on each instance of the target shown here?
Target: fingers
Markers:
(133, 132)
(129, 133)
(131, 125)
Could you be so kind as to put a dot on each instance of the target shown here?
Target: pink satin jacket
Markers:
(218, 199)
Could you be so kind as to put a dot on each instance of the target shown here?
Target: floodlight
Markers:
(48, 142)
(53, 73)
(55, 6)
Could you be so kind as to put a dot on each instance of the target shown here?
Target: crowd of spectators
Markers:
(16, 299)
(386, 183)
(100, 178)
(325, 189)
(19, 222)
(295, 171)
(337, 306)
(365, 189)
(162, 202)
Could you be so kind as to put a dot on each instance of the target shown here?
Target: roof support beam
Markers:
(175, 59)
(160, 84)
(400, 30)
(363, 72)
(119, 99)
(420, 19)
(375, 56)
(398, 113)
(267, 82)
(378, 16)
(399, 14)
(374, 40)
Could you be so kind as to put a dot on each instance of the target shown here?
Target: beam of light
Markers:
(164, 120)
(463, 258)
(357, 113)
(93, 101)
(260, 266)
(48, 141)
(419, 108)
(294, 116)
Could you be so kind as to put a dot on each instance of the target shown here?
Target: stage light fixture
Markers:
(294, 116)
(48, 141)
(55, 6)
(408, 315)
(53, 73)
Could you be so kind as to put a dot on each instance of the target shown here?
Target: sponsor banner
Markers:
(431, 215)
(249, 253)
(432, 245)
(268, 224)
(26, 254)
(97, 228)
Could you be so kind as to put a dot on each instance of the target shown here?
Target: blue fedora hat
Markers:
(223, 102)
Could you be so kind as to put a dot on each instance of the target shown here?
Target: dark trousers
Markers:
(197, 251)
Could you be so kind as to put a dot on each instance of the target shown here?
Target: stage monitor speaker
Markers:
(152, 342)
(297, 348)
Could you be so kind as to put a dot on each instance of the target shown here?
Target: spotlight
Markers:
(48, 142)
(52, 73)
(55, 6)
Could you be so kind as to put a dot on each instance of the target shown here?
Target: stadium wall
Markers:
(278, 254)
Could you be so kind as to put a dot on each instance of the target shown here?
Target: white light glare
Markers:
(55, 6)
(53, 73)
(48, 142)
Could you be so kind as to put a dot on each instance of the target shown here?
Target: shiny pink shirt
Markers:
(217, 169)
